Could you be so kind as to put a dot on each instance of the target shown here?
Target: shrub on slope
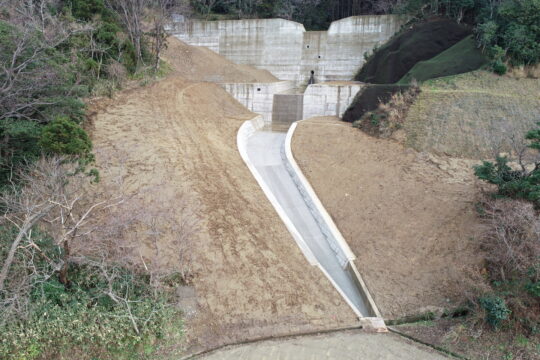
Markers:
(392, 61)
(460, 58)
(369, 99)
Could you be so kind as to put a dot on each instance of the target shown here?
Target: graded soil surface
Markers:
(408, 217)
(173, 145)
(198, 63)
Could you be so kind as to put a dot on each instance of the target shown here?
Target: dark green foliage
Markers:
(517, 184)
(460, 58)
(496, 310)
(533, 288)
(499, 68)
(84, 319)
(63, 136)
(394, 59)
(519, 30)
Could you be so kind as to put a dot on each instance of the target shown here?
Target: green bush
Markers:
(496, 310)
(63, 136)
(83, 319)
(517, 184)
(499, 68)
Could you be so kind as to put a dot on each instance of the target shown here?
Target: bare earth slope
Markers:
(409, 217)
(201, 64)
(250, 279)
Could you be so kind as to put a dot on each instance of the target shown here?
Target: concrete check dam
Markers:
(314, 68)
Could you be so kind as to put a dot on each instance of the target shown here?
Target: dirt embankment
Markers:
(409, 217)
(198, 63)
(174, 145)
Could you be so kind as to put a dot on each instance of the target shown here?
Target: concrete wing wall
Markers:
(289, 52)
(330, 99)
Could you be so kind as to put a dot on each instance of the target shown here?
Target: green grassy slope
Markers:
(460, 58)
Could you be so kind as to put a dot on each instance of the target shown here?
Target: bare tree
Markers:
(131, 13)
(161, 12)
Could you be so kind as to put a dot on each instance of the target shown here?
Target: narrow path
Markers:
(264, 149)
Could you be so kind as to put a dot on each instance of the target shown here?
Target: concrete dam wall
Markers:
(287, 50)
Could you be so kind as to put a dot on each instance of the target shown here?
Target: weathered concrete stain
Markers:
(287, 50)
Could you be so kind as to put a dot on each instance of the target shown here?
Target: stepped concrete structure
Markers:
(314, 67)
(287, 50)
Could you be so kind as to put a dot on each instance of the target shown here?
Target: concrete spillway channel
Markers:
(267, 153)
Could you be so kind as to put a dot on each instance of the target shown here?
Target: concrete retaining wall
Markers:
(287, 108)
(289, 52)
(374, 319)
(258, 97)
(329, 99)
(246, 130)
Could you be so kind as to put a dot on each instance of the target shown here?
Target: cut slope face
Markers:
(201, 64)
(250, 278)
(393, 60)
(408, 217)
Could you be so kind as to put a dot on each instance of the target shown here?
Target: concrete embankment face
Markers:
(287, 50)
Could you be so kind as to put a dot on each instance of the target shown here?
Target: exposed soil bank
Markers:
(175, 144)
(198, 63)
(409, 217)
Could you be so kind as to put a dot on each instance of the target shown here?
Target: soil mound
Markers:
(458, 59)
(197, 63)
(422, 42)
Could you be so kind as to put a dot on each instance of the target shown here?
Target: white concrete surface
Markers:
(289, 52)
(329, 99)
(264, 153)
(331, 232)
(258, 97)
(248, 129)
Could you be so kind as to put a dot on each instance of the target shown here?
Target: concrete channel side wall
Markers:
(258, 97)
(329, 99)
(246, 130)
(287, 108)
(327, 224)
(285, 48)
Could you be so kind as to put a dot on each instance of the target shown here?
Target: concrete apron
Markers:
(267, 153)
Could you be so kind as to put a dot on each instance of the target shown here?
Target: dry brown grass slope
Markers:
(461, 115)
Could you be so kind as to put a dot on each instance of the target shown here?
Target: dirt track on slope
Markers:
(409, 217)
(250, 279)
